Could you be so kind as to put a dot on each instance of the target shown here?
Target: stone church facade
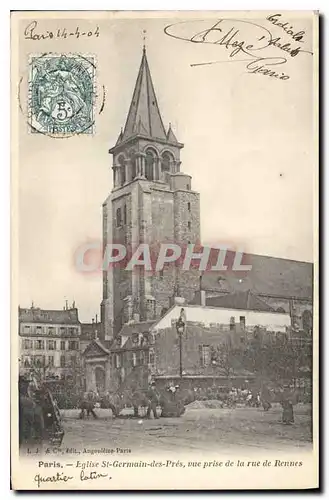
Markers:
(152, 202)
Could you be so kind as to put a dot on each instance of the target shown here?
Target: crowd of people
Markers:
(229, 396)
(172, 399)
(244, 397)
(169, 400)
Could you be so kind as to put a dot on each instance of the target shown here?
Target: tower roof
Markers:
(170, 135)
(144, 115)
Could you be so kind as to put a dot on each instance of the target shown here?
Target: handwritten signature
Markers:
(31, 33)
(235, 36)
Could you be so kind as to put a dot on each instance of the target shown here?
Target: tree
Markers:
(225, 358)
(280, 360)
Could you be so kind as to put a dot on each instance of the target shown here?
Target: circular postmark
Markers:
(62, 94)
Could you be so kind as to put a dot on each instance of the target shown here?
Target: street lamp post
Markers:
(180, 327)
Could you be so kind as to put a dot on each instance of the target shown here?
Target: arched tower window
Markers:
(132, 156)
(150, 164)
(122, 174)
(166, 160)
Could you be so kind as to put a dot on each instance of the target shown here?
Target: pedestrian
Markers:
(88, 404)
(265, 397)
(153, 398)
(109, 402)
(39, 423)
(287, 412)
(266, 405)
(171, 389)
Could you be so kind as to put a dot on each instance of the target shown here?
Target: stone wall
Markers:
(168, 353)
(128, 376)
(187, 211)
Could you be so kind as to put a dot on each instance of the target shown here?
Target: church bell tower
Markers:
(151, 202)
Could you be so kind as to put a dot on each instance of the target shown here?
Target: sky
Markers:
(249, 146)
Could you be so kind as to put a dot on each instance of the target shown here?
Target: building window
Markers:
(62, 345)
(205, 355)
(39, 361)
(123, 174)
(73, 345)
(62, 330)
(143, 358)
(188, 187)
(135, 338)
(134, 360)
(39, 330)
(133, 164)
(125, 214)
(189, 206)
(242, 322)
(73, 360)
(73, 331)
(117, 361)
(27, 344)
(189, 225)
(165, 162)
(232, 323)
(26, 328)
(122, 170)
(151, 357)
(51, 330)
(62, 361)
(149, 165)
(50, 361)
(39, 344)
(161, 273)
(118, 217)
(27, 363)
(51, 345)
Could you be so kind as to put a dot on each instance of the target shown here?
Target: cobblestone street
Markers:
(197, 429)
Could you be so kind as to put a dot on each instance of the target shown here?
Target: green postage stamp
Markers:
(61, 94)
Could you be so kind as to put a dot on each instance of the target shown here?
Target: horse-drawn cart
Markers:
(39, 416)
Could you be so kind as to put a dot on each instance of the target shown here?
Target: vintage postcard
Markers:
(164, 250)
